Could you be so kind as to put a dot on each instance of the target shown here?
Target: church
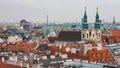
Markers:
(91, 34)
(85, 34)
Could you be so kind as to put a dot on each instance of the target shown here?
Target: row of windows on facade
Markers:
(102, 60)
(99, 35)
(103, 54)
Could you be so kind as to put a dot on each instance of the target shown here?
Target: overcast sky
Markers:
(57, 10)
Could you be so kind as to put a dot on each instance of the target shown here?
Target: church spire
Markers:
(85, 15)
(97, 15)
(84, 23)
(97, 21)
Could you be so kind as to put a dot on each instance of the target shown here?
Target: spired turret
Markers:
(97, 21)
(84, 23)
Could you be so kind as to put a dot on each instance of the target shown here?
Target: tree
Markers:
(69, 66)
(74, 66)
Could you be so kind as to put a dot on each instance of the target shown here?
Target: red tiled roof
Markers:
(103, 38)
(115, 32)
(26, 47)
(115, 35)
(43, 41)
(53, 48)
(1, 43)
(42, 53)
(75, 46)
(1, 47)
(2, 65)
(93, 43)
(100, 55)
(117, 39)
(63, 49)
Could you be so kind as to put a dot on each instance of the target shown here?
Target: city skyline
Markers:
(59, 11)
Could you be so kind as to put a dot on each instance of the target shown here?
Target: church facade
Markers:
(91, 34)
(86, 34)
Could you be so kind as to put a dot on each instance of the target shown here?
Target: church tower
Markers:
(97, 21)
(84, 23)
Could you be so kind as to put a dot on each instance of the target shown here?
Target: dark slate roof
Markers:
(42, 47)
(69, 36)
(37, 27)
(52, 39)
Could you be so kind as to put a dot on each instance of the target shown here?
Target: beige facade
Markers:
(14, 39)
(85, 35)
(91, 35)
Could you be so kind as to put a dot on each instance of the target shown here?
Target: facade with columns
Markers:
(91, 34)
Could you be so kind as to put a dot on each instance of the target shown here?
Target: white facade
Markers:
(100, 46)
(87, 47)
(67, 49)
(85, 35)
(91, 35)
(73, 50)
(52, 56)
(13, 58)
(44, 57)
(1, 40)
(14, 39)
(52, 34)
(64, 56)
(25, 58)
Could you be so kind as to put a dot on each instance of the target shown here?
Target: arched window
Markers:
(90, 33)
(83, 36)
(87, 35)
(93, 35)
(99, 34)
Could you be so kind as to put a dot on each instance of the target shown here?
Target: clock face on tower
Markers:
(26, 27)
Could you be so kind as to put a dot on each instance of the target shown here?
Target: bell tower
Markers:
(84, 23)
(97, 21)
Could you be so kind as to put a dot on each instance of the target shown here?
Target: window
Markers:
(103, 54)
(93, 35)
(99, 34)
(97, 54)
(94, 55)
(90, 33)
(99, 60)
(102, 60)
(83, 35)
(87, 35)
(108, 59)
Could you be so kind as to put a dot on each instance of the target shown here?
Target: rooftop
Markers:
(69, 36)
